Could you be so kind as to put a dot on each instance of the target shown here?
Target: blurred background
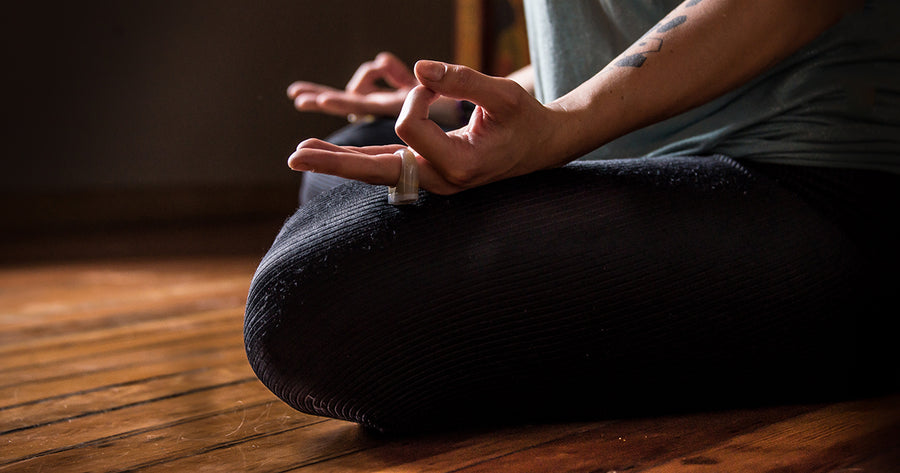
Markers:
(157, 127)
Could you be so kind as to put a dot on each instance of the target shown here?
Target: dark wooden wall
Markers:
(174, 110)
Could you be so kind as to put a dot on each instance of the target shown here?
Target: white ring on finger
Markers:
(407, 189)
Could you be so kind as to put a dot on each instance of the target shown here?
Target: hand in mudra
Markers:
(509, 134)
(365, 93)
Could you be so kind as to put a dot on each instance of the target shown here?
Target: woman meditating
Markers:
(677, 206)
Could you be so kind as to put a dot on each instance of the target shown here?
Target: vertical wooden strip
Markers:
(469, 33)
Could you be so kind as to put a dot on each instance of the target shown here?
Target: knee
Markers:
(301, 349)
(319, 328)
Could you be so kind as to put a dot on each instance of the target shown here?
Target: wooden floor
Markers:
(138, 365)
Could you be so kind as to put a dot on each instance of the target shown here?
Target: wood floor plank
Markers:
(79, 404)
(318, 446)
(58, 290)
(884, 459)
(447, 452)
(99, 357)
(37, 354)
(93, 297)
(243, 425)
(125, 368)
(269, 453)
(833, 437)
(140, 366)
(22, 281)
(620, 445)
(173, 407)
(92, 318)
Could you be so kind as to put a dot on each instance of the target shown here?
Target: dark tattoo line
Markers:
(672, 24)
(648, 45)
(653, 44)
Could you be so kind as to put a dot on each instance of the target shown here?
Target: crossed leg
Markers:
(589, 290)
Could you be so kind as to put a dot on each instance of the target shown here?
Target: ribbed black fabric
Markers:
(592, 290)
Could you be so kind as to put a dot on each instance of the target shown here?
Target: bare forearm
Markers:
(701, 50)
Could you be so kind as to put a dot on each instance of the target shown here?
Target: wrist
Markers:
(596, 113)
(575, 131)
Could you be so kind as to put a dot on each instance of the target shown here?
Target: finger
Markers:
(396, 72)
(363, 80)
(342, 103)
(373, 164)
(321, 157)
(301, 87)
(373, 150)
(306, 94)
(306, 102)
(496, 94)
(330, 101)
(422, 134)
(386, 66)
(314, 143)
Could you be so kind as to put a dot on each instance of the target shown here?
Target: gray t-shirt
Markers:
(834, 103)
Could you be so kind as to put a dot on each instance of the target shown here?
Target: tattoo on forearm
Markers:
(645, 46)
(651, 43)
(671, 24)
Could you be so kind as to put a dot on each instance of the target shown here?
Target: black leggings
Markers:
(603, 288)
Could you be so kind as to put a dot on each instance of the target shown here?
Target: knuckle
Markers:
(462, 177)
(509, 94)
(383, 57)
(404, 128)
(325, 99)
(463, 77)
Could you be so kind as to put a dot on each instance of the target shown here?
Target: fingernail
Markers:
(295, 163)
(433, 71)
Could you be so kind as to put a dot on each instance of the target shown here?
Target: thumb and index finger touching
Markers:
(492, 94)
(364, 93)
(463, 83)
(385, 66)
(437, 149)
